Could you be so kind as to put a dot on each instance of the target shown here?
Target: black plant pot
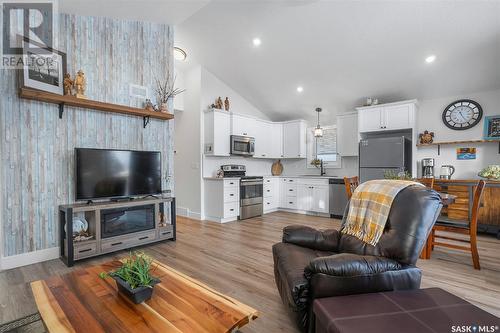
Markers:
(137, 295)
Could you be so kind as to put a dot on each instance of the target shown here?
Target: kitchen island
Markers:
(489, 213)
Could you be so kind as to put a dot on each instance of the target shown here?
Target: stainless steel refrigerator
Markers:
(380, 154)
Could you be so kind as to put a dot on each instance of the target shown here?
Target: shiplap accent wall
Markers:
(37, 148)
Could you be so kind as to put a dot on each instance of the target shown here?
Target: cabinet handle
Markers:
(143, 238)
(290, 190)
(166, 233)
(231, 195)
(290, 202)
(86, 250)
(114, 244)
(231, 210)
(268, 190)
(263, 155)
(231, 183)
(245, 134)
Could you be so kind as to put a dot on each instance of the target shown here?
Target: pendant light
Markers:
(318, 131)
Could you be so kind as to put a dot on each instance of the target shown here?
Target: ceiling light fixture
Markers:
(300, 89)
(256, 42)
(430, 59)
(318, 131)
(179, 54)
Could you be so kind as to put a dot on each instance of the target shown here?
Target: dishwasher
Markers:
(338, 197)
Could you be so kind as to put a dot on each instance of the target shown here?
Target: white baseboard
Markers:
(182, 211)
(29, 258)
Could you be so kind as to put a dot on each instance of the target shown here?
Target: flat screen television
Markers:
(107, 173)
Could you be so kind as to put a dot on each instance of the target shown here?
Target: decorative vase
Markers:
(137, 295)
(164, 107)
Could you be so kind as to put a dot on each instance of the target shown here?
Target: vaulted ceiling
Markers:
(339, 51)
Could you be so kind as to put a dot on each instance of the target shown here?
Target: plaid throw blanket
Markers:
(369, 208)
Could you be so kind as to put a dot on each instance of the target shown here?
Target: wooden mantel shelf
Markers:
(90, 104)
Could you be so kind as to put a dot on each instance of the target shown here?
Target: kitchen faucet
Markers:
(322, 169)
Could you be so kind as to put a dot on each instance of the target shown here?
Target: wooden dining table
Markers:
(446, 199)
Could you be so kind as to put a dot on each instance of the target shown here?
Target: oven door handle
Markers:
(249, 182)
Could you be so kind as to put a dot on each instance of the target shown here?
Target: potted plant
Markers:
(401, 175)
(165, 89)
(133, 278)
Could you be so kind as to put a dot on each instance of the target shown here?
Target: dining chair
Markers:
(350, 185)
(428, 182)
(464, 227)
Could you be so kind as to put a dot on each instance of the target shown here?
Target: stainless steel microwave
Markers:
(242, 145)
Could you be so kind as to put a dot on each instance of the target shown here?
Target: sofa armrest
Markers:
(321, 240)
(348, 265)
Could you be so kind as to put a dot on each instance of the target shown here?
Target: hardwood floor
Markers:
(235, 258)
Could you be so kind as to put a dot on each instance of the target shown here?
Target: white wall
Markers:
(187, 156)
(429, 118)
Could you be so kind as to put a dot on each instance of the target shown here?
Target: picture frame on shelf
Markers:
(492, 128)
(43, 68)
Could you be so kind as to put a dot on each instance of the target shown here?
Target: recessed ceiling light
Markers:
(256, 42)
(179, 54)
(300, 89)
(430, 59)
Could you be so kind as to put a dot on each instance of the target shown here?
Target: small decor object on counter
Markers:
(220, 173)
(466, 153)
(68, 85)
(375, 101)
(133, 278)
(43, 68)
(401, 175)
(447, 171)
(277, 168)
(426, 137)
(490, 172)
(218, 103)
(165, 90)
(369, 101)
(80, 84)
(226, 104)
(492, 128)
(161, 218)
(80, 224)
(462, 114)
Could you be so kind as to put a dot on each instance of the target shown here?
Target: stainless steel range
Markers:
(251, 191)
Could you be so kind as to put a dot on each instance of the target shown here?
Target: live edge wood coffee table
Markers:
(82, 302)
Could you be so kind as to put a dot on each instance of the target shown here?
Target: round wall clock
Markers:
(462, 114)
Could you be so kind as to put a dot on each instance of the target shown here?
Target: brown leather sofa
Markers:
(310, 264)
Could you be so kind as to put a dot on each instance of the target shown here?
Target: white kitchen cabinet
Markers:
(244, 126)
(387, 117)
(271, 200)
(217, 126)
(222, 199)
(263, 137)
(294, 139)
(399, 116)
(347, 134)
(320, 199)
(371, 120)
(276, 142)
(313, 195)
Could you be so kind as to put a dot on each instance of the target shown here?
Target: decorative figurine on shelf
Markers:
(218, 103)
(149, 105)
(80, 84)
(426, 137)
(68, 85)
(226, 104)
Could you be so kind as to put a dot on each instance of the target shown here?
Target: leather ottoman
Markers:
(410, 311)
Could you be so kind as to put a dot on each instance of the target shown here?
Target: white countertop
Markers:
(281, 176)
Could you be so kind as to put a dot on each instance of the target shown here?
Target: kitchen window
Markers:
(326, 146)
